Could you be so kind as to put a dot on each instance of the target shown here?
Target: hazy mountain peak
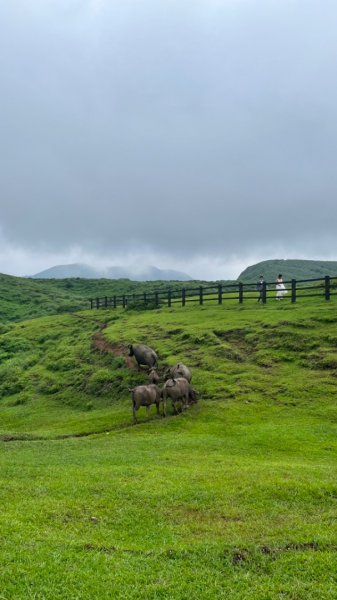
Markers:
(146, 273)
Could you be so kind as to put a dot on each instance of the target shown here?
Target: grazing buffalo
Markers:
(180, 370)
(180, 391)
(145, 395)
(144, 355)
(154, 376)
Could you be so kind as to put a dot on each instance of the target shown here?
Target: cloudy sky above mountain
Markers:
(197, 135)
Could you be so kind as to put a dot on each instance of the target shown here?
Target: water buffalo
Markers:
(180, 391)
(180, 370)
(153, 375)
(144, 355)
(145, 395)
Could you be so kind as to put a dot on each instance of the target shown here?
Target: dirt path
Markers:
(100, 344)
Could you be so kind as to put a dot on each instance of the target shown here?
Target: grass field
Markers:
(235, 498)
(23, 298)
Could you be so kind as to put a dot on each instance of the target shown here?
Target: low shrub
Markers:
(140, 306)
(14, 344)
(101, 382)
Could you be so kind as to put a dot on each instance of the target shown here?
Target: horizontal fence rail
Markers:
(295, 288)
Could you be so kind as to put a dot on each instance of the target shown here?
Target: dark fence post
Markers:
(124, 301)
(156, 301)
(91, 303)
(106, 301)
(183, 297)
(219, 293)
(145, 298)
(115, 301)
(169, 298)
(240, 292)
(201, 295)
(264, 292)
(293, 291)
(327, 287)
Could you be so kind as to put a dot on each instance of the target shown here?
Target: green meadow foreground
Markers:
(235, 498)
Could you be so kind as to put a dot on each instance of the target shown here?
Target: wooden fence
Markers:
(217, 292)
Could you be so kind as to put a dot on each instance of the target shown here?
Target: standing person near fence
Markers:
(280, 287)
(259, 287)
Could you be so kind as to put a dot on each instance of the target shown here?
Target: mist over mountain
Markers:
(148, 273)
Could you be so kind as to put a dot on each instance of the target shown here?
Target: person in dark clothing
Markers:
(259, 287)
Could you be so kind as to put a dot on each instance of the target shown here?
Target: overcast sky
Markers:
(199, 135)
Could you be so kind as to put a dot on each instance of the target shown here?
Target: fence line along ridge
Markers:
(217, 292)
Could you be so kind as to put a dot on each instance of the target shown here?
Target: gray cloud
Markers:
(176, 130)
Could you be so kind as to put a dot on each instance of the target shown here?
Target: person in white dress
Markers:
(280, 287)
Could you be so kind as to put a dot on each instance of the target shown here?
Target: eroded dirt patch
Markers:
(100, 344)
(240, 556)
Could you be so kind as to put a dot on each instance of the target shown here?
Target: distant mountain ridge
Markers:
(148, 273)
(290, 269)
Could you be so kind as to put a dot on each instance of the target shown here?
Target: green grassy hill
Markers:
(24, 298)
(290, 269)
(235, 498)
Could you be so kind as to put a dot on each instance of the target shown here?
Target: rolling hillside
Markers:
(24, 298)
(290, 269)
(235, 498)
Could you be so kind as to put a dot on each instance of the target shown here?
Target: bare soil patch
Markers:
(100, 344)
